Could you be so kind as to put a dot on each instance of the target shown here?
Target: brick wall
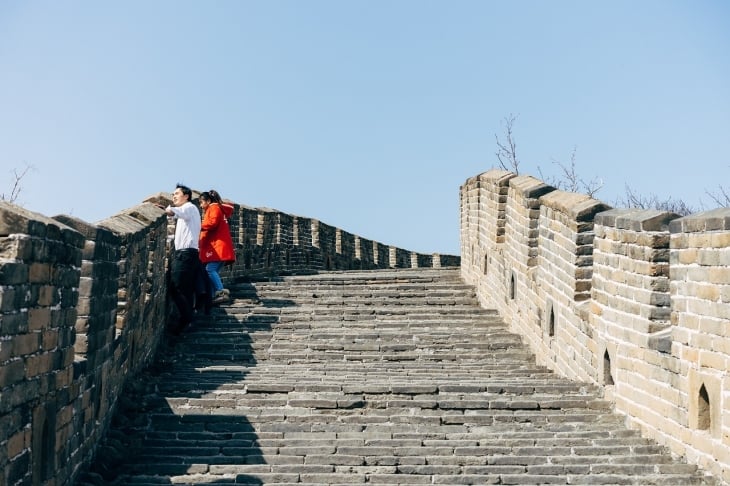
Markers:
(38, 296)
(271, 243)
(79, 313)
(83, 308)
(699, 270)
(636, 301)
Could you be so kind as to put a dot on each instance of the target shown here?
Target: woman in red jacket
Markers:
(216, 244)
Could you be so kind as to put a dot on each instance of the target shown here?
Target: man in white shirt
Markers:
(185, 266)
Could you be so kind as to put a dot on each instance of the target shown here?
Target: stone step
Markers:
(369, 377)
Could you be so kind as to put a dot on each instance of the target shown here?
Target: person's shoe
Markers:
(222, 296)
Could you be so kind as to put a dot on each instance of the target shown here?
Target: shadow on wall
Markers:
(84, 306)
(180, 418)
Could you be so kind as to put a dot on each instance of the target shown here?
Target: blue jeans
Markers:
(213, 269)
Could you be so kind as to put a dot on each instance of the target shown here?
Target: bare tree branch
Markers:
(652, 201)
(507, 150)
(570, 180)
(721, 198)
(16, 188)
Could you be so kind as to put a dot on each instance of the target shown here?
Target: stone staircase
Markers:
(371, 377)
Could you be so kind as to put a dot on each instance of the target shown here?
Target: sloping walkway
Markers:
(375, 377)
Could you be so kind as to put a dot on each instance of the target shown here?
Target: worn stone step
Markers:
(367, 377)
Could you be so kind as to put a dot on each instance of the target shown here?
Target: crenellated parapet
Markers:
(39, 290)
(271, 243)
(637, 301)
(83, 308)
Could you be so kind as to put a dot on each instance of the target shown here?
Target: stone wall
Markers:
(83, 308)
(271, 243)
(79, 312)
(637, 301)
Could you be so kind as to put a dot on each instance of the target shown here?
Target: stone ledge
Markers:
(636, 219)
(714, 220)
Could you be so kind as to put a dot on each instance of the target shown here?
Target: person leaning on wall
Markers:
(186, 263)
(216, 243)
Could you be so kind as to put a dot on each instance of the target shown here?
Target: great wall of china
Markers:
(83, 309)
(637, 301)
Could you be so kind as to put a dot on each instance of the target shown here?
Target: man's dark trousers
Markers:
(183, 275)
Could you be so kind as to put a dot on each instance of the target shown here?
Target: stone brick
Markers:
(11, 373)
(37, 365)
(26, 344)
(11, 298)
(12, 324)
(13, 273)
(47, 296)
(39, 318)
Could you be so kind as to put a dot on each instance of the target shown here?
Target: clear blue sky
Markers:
(366, 115)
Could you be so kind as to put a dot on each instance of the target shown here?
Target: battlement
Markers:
(83, 308)
(637, 301)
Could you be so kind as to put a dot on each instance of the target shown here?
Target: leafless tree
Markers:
(507, 149)
(721, 198)
(16, 187)
(652, 201)
(569, 179)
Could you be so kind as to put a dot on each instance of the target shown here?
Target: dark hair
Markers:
(185, 190)
(212, 196)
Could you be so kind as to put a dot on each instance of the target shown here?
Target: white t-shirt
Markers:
(187, 226)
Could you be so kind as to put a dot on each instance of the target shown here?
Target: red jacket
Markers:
(216, 244)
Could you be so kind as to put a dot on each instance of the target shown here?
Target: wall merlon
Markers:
(578, 207)
(529, 189)
(161, 198)
(124, 225)
(639, 220)
(248, 226)
(714, 220)
(495, 177)
(285, 229)
(15, 219)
